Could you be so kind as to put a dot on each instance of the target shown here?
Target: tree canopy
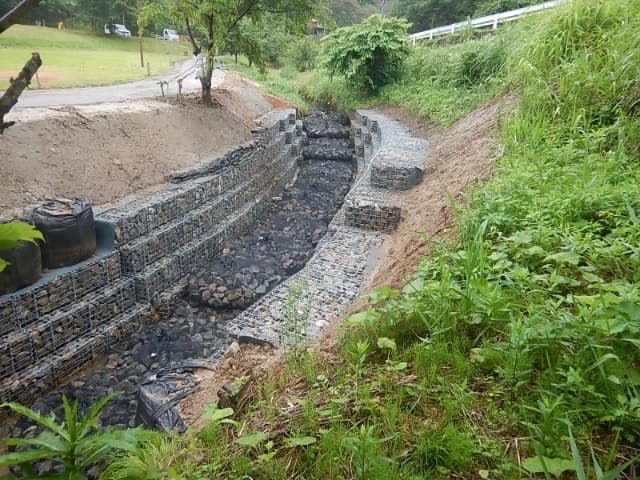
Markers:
(369, 54)
(210, 22)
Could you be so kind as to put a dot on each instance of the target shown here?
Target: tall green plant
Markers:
(370, 54)
(76, 442)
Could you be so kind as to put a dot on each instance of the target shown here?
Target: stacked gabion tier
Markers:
(388, 158)
(149, 243)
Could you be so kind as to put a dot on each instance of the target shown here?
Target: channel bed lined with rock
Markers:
(304, 235)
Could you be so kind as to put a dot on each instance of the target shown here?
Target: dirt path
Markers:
(461, 156)
(108, 151)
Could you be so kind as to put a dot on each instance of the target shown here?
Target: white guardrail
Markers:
(488, 21)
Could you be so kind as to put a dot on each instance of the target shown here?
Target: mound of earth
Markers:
(108, 151)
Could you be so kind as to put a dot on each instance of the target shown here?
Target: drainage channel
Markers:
(311, 234)
(279, 244)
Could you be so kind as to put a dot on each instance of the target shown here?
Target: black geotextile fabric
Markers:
(69, 231)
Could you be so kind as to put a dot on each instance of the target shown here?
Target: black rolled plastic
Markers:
(69, 230)
(25, 267)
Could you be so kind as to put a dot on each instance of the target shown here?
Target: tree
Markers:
(17, 85)
(488, 7)
(348, 12)
(209, 22)
(425, 14)
(369, 54)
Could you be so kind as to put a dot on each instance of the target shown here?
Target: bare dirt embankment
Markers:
(108, 151)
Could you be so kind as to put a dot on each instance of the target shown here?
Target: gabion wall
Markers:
(331, 280)
(52, 329)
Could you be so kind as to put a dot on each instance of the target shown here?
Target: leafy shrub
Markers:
(370, 54)
(303, 54)
(12, 233)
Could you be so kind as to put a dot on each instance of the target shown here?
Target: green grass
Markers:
(73, 58)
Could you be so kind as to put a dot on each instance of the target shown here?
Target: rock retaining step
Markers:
(77, 314)
(332, 278)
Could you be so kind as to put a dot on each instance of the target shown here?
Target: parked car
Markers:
(169, 34)
(116, 29)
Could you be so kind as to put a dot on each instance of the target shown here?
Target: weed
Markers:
(367, 462)
(295, 321)
(75, 442)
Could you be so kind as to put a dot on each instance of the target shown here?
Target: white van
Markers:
(117, 29)
(169, 34)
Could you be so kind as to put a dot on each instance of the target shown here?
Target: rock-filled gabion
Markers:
(326, 285)
(279, 244)
(281, 241)
(331, 280)
(322, 124)
(329, 149)
(400, 169)
(53, 328)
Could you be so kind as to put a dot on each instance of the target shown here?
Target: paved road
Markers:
(116, 93)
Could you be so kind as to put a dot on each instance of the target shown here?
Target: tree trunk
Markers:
(208, 74)
(205, 80)
(206, 87)
(10, 97)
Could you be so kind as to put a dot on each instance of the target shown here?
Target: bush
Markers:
(303, 54)
(370, 54)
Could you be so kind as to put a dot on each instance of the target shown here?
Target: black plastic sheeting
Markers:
(25, 267)
(159, 394)
(69, 230)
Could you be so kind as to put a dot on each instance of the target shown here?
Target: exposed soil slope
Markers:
(108, 151)
(460, 156)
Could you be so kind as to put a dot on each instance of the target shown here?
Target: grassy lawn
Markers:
(74, 58)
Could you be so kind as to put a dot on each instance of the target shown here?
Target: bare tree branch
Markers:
(196, 48)
(247, 8)
(16, 13)
(10, 97)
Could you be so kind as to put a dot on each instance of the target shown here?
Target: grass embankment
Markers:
(74, 58)
(514, 351)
